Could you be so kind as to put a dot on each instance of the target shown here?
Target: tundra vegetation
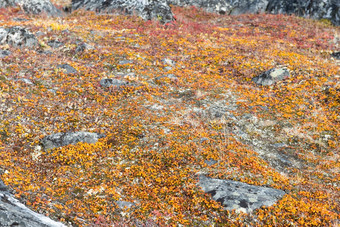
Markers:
(158, 135)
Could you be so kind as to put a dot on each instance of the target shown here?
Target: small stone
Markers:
(68, 69)
(271, 76)
(55, 43)
(63, 139)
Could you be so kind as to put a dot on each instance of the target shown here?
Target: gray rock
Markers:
(271, 76)
(17, 36)
(8, 3)
(234, 195)
(156, 9)
(124, 205)
(33, 6)
(82, 47)
(317, 9)
(210, 162)
(68, 69)
(14, 213)
(113, 83)
(63, 139)
(125, 62)
(167, 61)
(336, 55)
(55, 43)
(4, 53)
(2, 186)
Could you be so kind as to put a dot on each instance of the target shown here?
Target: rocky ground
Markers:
(110, 120)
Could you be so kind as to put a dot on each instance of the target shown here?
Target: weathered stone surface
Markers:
(4, 53)
(39, 6)
(158, 9)
(33, 6)
(234, 195)
(17, 36)
(7, 3)
(55, 43)
(124, 204)
(114, 83)
(63, 139)
(67, 68)
(317, 9)
(271, 76)
(336, 55)
(14, 213)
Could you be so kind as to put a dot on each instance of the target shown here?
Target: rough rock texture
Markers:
(63, 139)
(14, 213)
(17, 36)
(114, 83)
(336, 55)
(7, 3)
(40, 6)
(33, 6)
(317, 9)
(148, 10)
(67, 68)
(271, 76)
(4, 53)
(234, 195)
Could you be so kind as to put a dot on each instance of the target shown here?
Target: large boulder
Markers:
(158, 9)
(238, 196)
(316, 9)
(17, 36)
(33, 6)
(14, 213)
(63, 139)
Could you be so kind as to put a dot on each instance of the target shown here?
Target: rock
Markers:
(210, 162)
(63, 139)
(14, 213)
(55, 43)
(82, 47)
(166, 78)
(113, 83)
(156, 9)
(169, 62)
(271, 76)
(125, 62)
(234, 195)
(33, 6)
(8, 3)
(17, 36)
(317, 9)
(67, 68)
(335, 55)
(2, 186)
(124, 205)
(4, 53)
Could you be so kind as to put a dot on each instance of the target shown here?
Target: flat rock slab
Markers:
(63, 139)
(14, 213)
(114, 83)
(17, 36)
(271, 76)
(234, 195)
(67, 68)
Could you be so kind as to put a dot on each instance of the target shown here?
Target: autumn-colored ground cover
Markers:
(153, 151)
